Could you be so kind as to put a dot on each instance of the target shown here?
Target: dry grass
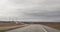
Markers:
(5, 28)
(9, 28)
(53, 25)
(9, 25)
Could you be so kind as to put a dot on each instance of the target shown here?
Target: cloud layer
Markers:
(31, 9)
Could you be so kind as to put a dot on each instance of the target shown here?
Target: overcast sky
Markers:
(40, 10)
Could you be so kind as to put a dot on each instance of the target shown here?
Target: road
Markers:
(35, 28)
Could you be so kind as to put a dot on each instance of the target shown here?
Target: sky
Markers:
(30, 10)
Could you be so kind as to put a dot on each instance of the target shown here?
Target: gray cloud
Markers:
(31, 9)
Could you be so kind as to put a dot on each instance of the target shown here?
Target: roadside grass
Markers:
(2, 29)
(54, 25)
(9, 25)
(5, 28)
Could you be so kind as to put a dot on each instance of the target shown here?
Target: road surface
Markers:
(35, 28)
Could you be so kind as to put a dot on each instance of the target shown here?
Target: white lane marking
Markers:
(44, 29)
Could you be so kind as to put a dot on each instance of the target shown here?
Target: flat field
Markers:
(4, 26)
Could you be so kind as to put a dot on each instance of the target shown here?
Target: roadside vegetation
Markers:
(5, 26)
